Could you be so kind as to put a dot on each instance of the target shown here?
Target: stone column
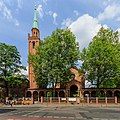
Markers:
(50, 99)
(105, 100)
(38, 97)
(81, 94)
(41, 99)
(67, 93)
(58, 93)
(115, 100)
(32, 99)
(88, 99)
(59, 100)
(90, 94)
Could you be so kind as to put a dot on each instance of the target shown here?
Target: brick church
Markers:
(74, 88)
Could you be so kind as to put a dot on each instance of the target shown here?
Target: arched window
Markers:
(33, 44)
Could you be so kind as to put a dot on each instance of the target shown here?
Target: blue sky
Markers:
(83, 17)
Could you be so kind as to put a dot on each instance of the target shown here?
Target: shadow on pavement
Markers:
(6, 110)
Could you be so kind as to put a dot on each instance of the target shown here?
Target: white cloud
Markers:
(105, 26)
(40, 10)
(7, 14)
(85, 28)
(76, 12)
(25, 72)
(87, 84)
(44, 1)
(106, 2)
(17, 23)
(49, 13)
(14, 3)
(8, 2)
(118, 19)
(5, 11)
(54, 18)
(110, 12)
(66, 22)
(20, 3)
(118, 30)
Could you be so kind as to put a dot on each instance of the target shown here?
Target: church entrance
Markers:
(73, 91)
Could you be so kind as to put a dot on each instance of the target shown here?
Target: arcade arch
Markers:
(73, 91)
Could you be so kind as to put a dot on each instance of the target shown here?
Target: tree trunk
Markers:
(98, 84)
(6, 89)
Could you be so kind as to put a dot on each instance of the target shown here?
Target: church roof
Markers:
(35, 20)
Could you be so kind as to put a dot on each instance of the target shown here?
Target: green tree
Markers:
(10, 67)
(101, 59)
(54, 57)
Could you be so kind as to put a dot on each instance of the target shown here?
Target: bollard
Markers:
(59, 99)
(115, 100)
(32, 99)
(96, 100)
(50, 99)
(106, 101)
(41, 100)
(88, 100)
(78, 100)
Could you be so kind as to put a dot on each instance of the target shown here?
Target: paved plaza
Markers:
(60, 113)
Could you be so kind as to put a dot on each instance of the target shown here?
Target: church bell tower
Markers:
(33, 43)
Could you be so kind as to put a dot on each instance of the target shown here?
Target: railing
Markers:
(88, 100)
(66, 100)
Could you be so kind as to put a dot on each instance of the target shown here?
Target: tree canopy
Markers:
(10, 67)
(54, 57)
(101, 59)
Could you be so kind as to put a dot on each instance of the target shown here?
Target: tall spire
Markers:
(35, 20)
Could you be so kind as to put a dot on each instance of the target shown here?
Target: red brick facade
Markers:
(33, 42)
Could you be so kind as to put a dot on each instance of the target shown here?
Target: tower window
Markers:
(33, 45)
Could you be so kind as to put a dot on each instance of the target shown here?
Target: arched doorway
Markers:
(48, 93)
(56, 94)
(109, 93)
(35, 96)
(73, 91)
(101, 93)
(28, 94)
(61, 94)
(93, 94)
(117, 93)
(41, 94)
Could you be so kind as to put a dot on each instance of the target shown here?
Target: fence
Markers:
(77, 100)
(72, 100)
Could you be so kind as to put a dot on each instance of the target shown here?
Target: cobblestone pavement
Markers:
(60, 113)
